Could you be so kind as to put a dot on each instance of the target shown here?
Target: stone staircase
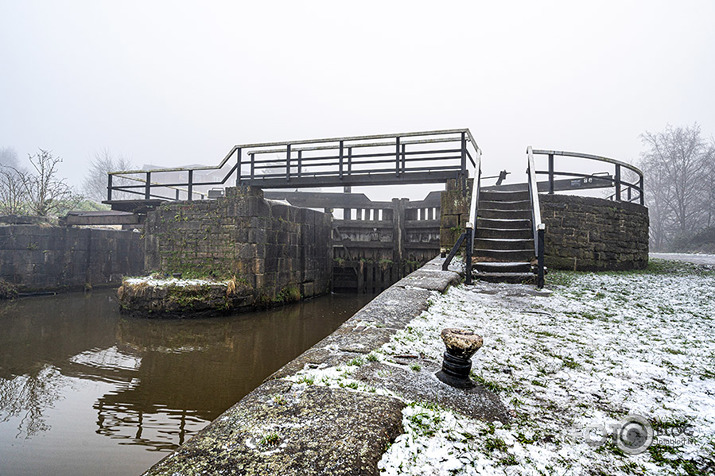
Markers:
(504, 240)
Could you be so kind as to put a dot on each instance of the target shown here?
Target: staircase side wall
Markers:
(586, 233)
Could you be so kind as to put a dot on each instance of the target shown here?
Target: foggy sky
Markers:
(177, 82)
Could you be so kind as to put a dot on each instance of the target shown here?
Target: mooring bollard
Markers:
(461, 345)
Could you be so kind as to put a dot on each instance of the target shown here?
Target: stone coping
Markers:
(287, 428)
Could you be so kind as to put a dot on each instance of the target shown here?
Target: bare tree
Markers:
(12, 195)
(676, 164)
(95, 182)
(44, 191)
(709, 187)
(657, 196)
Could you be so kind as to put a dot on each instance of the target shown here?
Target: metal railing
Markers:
(538, 227)
(387, 159)
(471, 222)
(633, 190)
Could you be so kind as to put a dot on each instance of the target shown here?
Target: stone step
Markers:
(518, 244)
(513, 233)
(504, 255)
(495, 195)
(505, 204)
(522, 214)
(502, 267)
(510, 223)
(516, 278)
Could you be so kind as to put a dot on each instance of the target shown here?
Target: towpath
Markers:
(686, 257)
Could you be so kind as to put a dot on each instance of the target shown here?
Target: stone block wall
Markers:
(275, 247)
(585, 233)
(41, 257)
(454, 212)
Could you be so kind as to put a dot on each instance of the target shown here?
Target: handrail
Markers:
(472, 223)
(588, 156)
(124, 188)
(477, 181)
(618, 182)
(537, 226)
(384, 159)
(295, 142)
(475, 192)
(533, 192)
(472, 217)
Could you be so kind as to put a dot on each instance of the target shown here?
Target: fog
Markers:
(175, 82)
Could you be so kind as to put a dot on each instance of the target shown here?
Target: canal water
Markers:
(85, 390)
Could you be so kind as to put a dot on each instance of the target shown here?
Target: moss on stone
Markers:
(184, 300)
(7, 290)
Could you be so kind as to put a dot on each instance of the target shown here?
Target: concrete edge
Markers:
(364, 332)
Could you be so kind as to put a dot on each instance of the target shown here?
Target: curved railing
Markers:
(623, 189)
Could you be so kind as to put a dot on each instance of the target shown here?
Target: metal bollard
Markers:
(461, 345)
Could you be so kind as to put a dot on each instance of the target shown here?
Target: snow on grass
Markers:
(569, 367)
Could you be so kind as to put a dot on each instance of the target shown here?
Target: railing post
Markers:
(288, 163)
(147, 187)
(469, 250)
(177, 195)
(109, 187)
(191, 185)
(540, 257)
(253, 165)
(350, 160)
(551, 174)
(341, 161)
(618, 183)
(640, 185)
(403, 158)
(238, 166)
(397, 156)
(300, 163)
(398, 230)
(463, 164)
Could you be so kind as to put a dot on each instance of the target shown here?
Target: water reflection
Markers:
(152, 383)
(25, 398)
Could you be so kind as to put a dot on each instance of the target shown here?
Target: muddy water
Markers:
(84, 390)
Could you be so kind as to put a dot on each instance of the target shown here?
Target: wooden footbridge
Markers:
(388, 159)
(503, 224)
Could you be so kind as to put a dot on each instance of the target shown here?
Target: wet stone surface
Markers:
(313, 358)
(290, 429)
(422, 385)
(429, 278)
(392, 309)
(359, 338)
